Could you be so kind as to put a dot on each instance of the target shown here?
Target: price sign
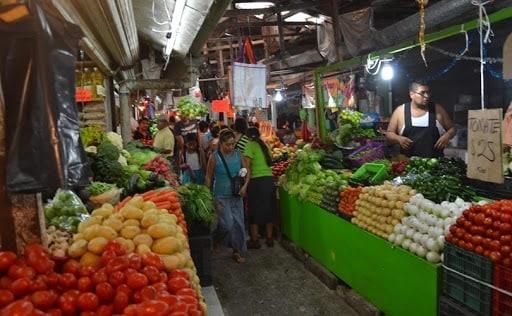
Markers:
(485, 145)
(83, 94)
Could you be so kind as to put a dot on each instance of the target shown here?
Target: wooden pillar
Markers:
(281, 36)
(334, 4)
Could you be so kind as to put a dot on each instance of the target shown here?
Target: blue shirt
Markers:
(222, 183)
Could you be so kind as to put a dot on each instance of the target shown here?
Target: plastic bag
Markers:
(111, 196)
(65, 210)
(37, 67)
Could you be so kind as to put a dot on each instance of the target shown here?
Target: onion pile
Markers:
(422, 232)
(380, 208)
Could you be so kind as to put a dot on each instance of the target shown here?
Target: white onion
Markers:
(439, 223)
(391, 238)
(440, 241)
(406, 243)
(409, 232)
(413, 209)
(398, 228)
(438, 232)
(399, 239)
(416, 237)
(423, 228)
(420, 251)
(424, 239)
(433, 257)
(413, 247)
(431, 231)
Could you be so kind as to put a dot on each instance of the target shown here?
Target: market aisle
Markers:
(272, 282)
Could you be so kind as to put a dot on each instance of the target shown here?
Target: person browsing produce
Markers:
(164, 138)
(223, 166)
(142, 133)
(260, 193)
(421, 127)
(193, 161)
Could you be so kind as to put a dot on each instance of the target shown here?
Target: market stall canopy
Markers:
(112, 28)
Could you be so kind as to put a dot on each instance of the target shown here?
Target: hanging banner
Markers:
(485, 145)
(339, 91)
(221, 106)
(308, 96)
(249, 85)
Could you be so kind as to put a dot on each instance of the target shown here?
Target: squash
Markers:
(90, 259)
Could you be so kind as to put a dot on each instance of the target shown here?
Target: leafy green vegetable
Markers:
(91, 135)
(97, 188)
(190, 108)
(197, 203)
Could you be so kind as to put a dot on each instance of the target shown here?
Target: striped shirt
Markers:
(240, 144)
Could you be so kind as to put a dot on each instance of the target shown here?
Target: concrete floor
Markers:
(272, 282)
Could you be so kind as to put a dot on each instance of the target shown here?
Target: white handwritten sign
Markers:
(485, 145)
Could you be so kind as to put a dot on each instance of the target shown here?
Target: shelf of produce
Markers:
(396, 281)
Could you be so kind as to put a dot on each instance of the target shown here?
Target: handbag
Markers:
(236, 181)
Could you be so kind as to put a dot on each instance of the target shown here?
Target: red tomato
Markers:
(190, 300)
(495, 245)
(105, 292)
(459, 232)
(479, 230)
(17, 271)
(134, 261)
(136, 297)
(488, 222)
(169, 299)
(180, 307)
(67, 303)
(87, 271)
(507, 262)
(105, 310)
(495, 257)
(152, 273)
(52, 279)
(99, 276)
(467, 237)
(54, 312)
(506, 239)
(88, 313)
(130, 310)
(152, 259)
(194, 312)
(5, 282)
(187, 291)
(115, 247)
(124, 289)
(44, 299)
(496, 225)
(467, 225)
(505, 217)
(107, 257)
(152, 308)
(18, 308)
(477, 240)
(163, 277)
(160, 286)
(7, 259)
(88, 301)
(505, 250)
(71, 266)
(136, 280)
(479, 250)
(121, 300)
(6, 298)
(40, 262)
(85, 284)
(480, 219)
(179, 273)
(21, 287)
(117, 264)
(177, 283)
(505, 228)
(148, 293)
(67, 281)
(117, 278)
(462, 244)
(487, 253)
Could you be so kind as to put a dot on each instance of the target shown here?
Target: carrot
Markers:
(163, 197)
(165, 205)
(147, 195)
(176, 206)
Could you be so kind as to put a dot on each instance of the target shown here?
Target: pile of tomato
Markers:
(348, 199)
(485, 230)
(126, 284)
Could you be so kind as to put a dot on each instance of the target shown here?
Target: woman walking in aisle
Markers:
(261, 193)
(223, 167)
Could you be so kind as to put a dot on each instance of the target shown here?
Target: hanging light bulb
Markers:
(279, 96)
(387, 72)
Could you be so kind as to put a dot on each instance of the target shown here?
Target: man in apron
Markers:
(421, 127)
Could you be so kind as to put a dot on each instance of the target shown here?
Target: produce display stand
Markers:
(396, 281)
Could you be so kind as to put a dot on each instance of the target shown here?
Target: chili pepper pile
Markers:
(348, 199)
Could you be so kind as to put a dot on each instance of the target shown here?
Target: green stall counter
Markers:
(290, 216)
(396, 281)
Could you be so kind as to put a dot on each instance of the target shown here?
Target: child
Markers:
(193, 161)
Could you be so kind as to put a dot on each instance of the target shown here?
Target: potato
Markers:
(168, 218)
(131, 222)
(78, 236)
(117, 216)
(78, 248)
(113, 223)
(88, 223)
(101, 212)
(131, 212)
(162, 230)
(129, 232)
(166, 246)
(107, 232)
(146, 206)
(136, 201)
(171, 262)
(129, 246)
(142, 249)
(97, 245)
(143, 239)
(149, 219)
(90, 259)
(108, 206)
(91, 231)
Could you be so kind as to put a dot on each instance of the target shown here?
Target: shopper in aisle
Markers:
(260, 192)
(142, 133)
(193, 161)
(214, 142)
(240, 130)
(164, 138)
(203, 136)
(223, 166)
(421, 127)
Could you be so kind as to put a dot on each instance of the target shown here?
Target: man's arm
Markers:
(447, 124)
(392, 132)
(210, 168)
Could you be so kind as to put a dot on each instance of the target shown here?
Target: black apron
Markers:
(424, 138)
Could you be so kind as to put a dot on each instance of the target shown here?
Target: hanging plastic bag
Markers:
(65, 211)
(37, 70)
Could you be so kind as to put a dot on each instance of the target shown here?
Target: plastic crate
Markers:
(471, 294)
(376, 151)
(201, 248)
(502, 303)
(449, 307)
(379, 171)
